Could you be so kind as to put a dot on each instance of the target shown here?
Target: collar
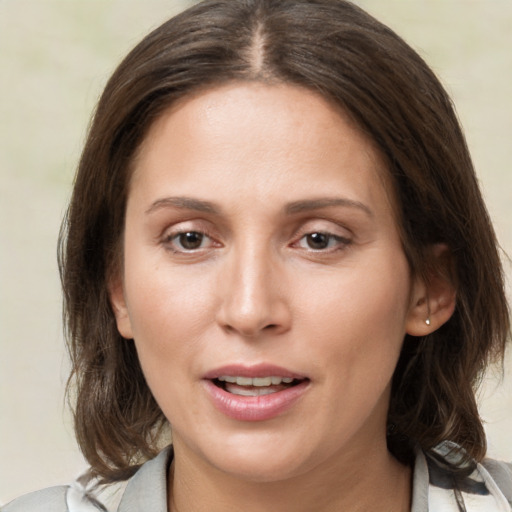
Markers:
(147, 489)
(436, 487)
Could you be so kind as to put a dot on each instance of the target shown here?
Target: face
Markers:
(264, 281)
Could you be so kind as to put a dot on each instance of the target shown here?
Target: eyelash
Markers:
(171, 239)
(334, 242)
(339, 241)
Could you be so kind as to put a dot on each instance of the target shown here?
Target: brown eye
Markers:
(317, 241)
(189, 240)
(320, 241)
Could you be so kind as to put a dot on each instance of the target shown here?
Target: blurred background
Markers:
(55, 57)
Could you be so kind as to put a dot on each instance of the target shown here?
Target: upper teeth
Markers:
(257, 381)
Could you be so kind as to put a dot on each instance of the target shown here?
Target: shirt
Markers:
(437, 487)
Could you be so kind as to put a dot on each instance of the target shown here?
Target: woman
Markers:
(276, 246)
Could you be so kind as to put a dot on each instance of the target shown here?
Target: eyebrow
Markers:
(305, 205)
(183, 203)
(318, 204)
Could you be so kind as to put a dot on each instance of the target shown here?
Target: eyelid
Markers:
(180, 228)
(342, 236)
(340, 243)
(321, 225)
(328, 227)
(175, 236)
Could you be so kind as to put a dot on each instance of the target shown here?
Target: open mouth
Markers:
(255, 393)
(257, 386)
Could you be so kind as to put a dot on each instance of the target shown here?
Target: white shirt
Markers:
(485, 487)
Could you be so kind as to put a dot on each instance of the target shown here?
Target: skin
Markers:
(254, 290)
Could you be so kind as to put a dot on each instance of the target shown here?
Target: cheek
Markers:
(361, 298)
(168, 311)
(361, 317)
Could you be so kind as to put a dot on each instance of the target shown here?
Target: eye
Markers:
(188, 241)
(320, 241)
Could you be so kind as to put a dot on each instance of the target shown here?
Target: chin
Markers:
(261, 471)
(260, 458)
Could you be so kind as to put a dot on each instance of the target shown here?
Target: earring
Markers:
(427, 321)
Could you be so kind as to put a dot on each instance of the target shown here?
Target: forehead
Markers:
(260, 133)
(244, 103)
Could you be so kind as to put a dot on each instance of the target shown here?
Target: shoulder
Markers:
(446, 479)
(146, 490)
(481, 486)
(501, 474)
(499, 468)
(52, 499)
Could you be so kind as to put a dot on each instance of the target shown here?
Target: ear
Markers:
(118, 303)
(433, 298)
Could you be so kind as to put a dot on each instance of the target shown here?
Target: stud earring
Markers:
(427, 321)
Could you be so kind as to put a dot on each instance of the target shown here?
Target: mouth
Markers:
(255, 386)
(255, 393)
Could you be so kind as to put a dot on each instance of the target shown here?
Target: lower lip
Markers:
(255, 408)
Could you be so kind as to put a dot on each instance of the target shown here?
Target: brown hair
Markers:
(338, 50)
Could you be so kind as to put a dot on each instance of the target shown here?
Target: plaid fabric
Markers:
(454, 486)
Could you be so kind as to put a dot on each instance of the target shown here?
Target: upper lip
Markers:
(258, 370)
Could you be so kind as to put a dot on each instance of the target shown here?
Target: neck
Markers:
(356, 482)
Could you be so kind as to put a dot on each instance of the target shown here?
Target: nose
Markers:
(253, 295)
